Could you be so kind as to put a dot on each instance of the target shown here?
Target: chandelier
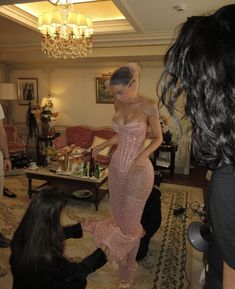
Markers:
(65, 33)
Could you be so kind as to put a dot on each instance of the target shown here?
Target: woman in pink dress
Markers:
(131, 174)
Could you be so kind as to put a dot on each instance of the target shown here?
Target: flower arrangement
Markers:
(47, 116)
(49, 151)
(47, 113)
(163, 121)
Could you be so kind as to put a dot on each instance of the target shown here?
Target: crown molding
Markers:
(18, 15)
(112, 26)
(138, 39)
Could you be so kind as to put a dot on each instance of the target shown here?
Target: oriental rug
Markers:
(171, 262)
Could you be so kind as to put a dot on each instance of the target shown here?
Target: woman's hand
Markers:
(108, 143)
(139, 164)
(7, 165)
(96, 150)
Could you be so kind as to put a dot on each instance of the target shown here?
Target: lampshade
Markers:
(62, 2)
(8, 91)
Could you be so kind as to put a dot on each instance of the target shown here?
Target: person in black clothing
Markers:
(4, 242)
(37, 248)
(150, 220)
(200, 69)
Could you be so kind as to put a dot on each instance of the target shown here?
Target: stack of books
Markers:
(161, 162)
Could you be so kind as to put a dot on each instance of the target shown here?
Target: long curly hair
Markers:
(200, 66)
(38, 240)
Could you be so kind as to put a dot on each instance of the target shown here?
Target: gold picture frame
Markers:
(27, 90)
(103, 93)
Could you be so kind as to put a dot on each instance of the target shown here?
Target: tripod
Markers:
(31, 125)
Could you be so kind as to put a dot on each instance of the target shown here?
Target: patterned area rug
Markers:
(168, 264)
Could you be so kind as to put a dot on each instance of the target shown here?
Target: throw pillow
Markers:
(97, 141)
(60, 142)
(80, 136)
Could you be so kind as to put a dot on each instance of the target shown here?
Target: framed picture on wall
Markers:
(27, 90)
(103, 93)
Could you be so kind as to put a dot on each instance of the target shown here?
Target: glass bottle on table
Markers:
(92, 166)
(84, 168)
(97, 170)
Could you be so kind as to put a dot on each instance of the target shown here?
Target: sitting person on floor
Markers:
(37, 248)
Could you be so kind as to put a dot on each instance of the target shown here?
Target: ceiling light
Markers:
(62, 2)
(65, 33)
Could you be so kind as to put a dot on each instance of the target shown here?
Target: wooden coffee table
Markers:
(69, 183)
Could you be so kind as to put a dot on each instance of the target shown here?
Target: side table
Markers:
(46, 140)
(171, 148)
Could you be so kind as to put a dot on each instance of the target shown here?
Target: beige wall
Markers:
(2, 73)
(74, 94)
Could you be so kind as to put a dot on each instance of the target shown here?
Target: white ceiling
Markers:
(139, 30)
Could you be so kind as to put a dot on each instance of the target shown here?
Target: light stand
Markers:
(199, 235)
(32, 125)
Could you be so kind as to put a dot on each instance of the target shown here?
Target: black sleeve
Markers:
(222, 206)
(74, 231)
(71, 271)
(94, 261)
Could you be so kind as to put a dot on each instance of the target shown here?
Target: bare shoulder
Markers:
(149, 107)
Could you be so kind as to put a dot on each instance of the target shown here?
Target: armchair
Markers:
(16, 147)
(16, 143)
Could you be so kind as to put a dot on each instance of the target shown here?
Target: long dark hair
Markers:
(39, 236)
(201, 66)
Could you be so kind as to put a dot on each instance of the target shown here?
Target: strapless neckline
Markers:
(130, 123)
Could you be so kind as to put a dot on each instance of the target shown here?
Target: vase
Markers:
(45, 128)
(167, 137)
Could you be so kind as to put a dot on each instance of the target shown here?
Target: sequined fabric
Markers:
(128, 195)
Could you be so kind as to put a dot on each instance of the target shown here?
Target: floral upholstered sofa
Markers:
(84, 137)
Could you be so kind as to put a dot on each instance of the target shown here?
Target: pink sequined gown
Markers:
(128, 195)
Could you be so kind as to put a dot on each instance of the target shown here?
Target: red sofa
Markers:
(86, 137)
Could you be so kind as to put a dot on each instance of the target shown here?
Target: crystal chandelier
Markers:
(65, 33)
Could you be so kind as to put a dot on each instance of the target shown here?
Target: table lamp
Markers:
(7, 93)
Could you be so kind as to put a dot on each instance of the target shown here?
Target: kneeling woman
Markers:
(37, 247)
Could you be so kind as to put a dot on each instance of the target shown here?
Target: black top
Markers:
(221, 214)
(63, 273)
